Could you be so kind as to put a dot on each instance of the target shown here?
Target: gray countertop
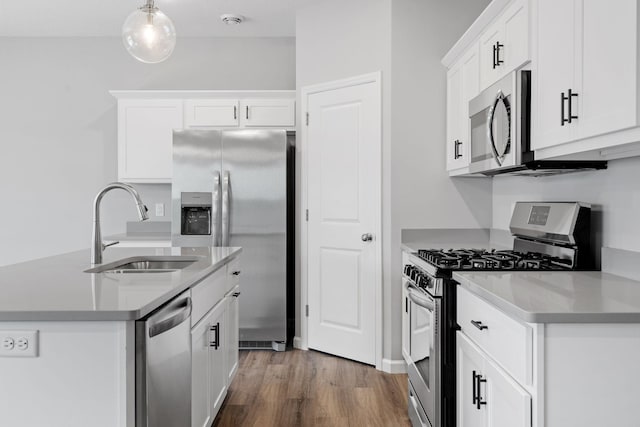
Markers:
(57, 288)
(558, 297)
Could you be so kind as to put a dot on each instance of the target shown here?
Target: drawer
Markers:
(508, 341)
(207, 293)
(234, 272)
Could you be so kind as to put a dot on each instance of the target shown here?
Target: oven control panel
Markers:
(422, 279)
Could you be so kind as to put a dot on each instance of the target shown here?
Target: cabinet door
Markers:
(554, 74)
(200, 398)
(606, 81)
(145, 138)
(490, 69)
(470, 364)
(217, 358)
(233, 336)
(508, 404)
(268, 112)
(211, 112)
(455, 158)
(515, 22)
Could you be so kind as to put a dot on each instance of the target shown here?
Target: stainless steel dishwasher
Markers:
(163, 366)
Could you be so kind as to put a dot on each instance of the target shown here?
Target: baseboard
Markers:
(394, 366)
(297, 343)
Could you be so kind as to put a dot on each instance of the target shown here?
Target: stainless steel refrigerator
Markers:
(229, 188)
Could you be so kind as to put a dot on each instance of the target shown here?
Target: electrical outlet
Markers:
(18, 343)
(159, 209)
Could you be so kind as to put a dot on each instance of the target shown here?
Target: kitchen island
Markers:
(78, 366)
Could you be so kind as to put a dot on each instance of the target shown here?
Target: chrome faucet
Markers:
(97, 246)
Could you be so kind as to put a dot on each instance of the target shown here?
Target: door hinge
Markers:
(307, 215)
(306, 309)
(307, 119)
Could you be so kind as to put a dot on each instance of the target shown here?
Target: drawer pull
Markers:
(236, 273)
(478, 324)
(216, 330)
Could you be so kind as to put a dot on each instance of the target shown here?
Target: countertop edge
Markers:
(537, 317)
(120, 315)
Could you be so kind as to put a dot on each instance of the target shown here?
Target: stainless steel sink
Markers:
(145, 264)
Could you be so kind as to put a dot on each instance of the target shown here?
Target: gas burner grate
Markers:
(480, 259)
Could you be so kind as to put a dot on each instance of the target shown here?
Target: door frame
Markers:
(376, 79)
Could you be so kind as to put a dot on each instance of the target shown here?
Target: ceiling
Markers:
(192, 18)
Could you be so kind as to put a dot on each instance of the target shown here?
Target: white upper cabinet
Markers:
(585, 70)
(145, 138)
(268, 113)
(463, 83)
(504, 46)
(211, 112)
(146, 120)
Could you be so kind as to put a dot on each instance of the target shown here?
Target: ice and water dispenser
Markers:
(196, 214)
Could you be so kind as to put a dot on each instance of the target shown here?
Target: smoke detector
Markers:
(231, 19)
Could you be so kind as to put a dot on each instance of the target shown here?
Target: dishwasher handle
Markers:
(169, 317)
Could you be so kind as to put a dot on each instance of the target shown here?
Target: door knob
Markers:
(367, 237)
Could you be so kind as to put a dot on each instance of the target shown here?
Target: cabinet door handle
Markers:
(474, 386)
(236, 294)
(236, 273)
(497, 48)
(562, 118)
(235, 112)
(479, 402)
(216, 330)
(478, 324)
(570, 97)
(247, 113)
(456, 151)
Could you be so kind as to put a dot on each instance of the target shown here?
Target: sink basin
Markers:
(145, 264)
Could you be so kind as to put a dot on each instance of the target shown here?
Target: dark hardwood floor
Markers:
(308, 388)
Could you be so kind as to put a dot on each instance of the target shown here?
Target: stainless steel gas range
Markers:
(547, 236)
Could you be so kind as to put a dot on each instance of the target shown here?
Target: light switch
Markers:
(159, 209)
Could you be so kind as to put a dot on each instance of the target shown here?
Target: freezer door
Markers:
(196, 171)
(254, 216)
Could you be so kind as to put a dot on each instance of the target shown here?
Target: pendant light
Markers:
(148, 34)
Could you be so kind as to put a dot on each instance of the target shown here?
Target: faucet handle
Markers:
(106, 245)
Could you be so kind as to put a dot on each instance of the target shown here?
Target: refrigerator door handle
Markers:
(215, 214)
(225, 208)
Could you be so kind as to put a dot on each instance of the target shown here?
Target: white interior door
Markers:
(343, 199)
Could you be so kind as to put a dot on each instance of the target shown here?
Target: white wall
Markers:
(422, 194)
(58, 126)
(336, 39)
(614, 193)
(405, 39)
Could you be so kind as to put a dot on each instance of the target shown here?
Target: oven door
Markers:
(424, 350)
(493, 123)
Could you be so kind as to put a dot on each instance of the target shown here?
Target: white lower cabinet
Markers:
(487, 395)
(208, 376)
(214, 343)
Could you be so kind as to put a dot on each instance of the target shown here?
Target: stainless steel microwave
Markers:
(500, 129)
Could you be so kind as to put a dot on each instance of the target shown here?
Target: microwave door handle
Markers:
(492, 117)
(215, 215)
(225, 208)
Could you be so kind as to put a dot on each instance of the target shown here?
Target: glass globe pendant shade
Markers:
(148, 34)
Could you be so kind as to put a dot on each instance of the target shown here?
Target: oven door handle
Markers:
(421, 301)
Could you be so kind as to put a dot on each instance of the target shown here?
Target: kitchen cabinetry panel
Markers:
(145, 138)
(200, 398)
(211, 112)
(146, 120)
(268, 112)
(463, 83)
(217, 358)
(607, 74)
(406, 338)
(504, 45)
(487, 396)
(589, 49)
(233, 336)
